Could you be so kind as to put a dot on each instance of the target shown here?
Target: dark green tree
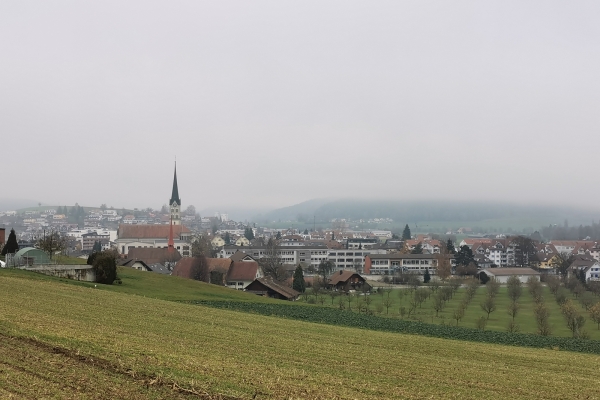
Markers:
(418, 249)
(298, 283)
(464, 256)
(406, 233)
(278, 236)
(450, 247)
(97, 247)
(105, 266)
(426, 276)
(306, 231)
(11, 245)
(249, 233)
(227, 238)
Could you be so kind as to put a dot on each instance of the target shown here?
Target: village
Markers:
(263, 260)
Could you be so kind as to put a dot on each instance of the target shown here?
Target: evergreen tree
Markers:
(97, 247)
(418, 249)
(306, 231)
(464, 256)
(105, 267)
(278, 236)
(298, 284)
(227, 238)
(406, 233)
(426, 277)
(450, 247)
(249, 233)
(11, 245)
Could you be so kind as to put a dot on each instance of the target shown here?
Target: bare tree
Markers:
(443, 267)
(493, 287)
(542, 316)
(524, 250)
(489, 305)
(271, 262)
(199, 269)
(459, 313)
(514, 288)
(201, 246)
(438, 302)
(52, 243)
(513, 309)
(562, 262)
(387, 303)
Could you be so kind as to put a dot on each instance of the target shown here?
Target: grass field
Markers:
(74, 341)
(498, 319)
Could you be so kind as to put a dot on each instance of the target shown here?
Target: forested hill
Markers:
(423, 211)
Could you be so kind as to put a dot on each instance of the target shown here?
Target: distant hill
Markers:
(15, 204)
(427, 211)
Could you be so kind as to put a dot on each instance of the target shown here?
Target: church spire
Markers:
(175, 202)
(175, 193)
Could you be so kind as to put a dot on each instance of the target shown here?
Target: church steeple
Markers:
(175, 193)
(175, 202)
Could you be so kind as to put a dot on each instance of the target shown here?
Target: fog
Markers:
(270, 103)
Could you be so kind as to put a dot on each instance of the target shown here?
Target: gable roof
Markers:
(242, 271)
(240, 255)
(153, 255)
(219, 264)
(342, 276)
(269, 283)
(127, 231)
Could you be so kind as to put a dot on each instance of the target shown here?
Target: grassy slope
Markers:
(245, 355)
(149, 284)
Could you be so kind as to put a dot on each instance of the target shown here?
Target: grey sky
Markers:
(272, 103)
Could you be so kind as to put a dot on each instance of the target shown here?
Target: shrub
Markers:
(105, 267)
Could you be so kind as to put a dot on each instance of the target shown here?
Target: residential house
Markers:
(242, 273)
(346, 281)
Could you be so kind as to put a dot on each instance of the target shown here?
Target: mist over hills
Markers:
(420, 212)
(7, 204)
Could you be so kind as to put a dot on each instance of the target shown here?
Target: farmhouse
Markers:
(242, 273)
(503, 274)
(346, 281)
(269, 288)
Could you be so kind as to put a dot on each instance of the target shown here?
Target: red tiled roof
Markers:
(221, 264)
(183, 268)
(149, 231)
(242, 271)
(342, 276)
(284, 291)
(239, 256)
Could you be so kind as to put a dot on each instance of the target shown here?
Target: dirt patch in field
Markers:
(30, 369)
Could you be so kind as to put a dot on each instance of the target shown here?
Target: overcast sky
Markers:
(268, 104)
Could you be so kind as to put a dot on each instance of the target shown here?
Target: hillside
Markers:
(76, 341)
(430, 213)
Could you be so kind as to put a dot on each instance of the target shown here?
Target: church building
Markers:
(174, 236)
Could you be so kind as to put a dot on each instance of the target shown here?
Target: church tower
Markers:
(175, 202)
